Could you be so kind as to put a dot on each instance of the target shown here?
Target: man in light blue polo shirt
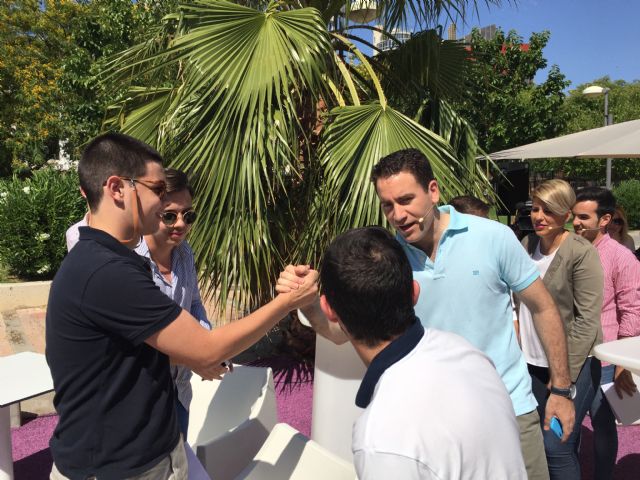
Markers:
(492, 265)
(466, 267)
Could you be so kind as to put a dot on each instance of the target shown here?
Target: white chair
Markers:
(230, 419)
(287, 454)
(337, 377)
(196, 470)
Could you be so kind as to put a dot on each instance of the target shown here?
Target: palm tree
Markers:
(279, 117)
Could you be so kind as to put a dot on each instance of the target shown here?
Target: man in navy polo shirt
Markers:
(110, 331)
(435, 406)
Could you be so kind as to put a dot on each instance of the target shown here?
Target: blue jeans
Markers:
(605, 433)
(562, 458)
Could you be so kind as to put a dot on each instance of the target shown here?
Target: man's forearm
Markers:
(322, 326)
(554, 341)
(550, 330)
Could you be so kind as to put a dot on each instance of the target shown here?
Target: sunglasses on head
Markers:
(617, 221)
(170, 218)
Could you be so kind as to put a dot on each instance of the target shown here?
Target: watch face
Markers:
(573, 390)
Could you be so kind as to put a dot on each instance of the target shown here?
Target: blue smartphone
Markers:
(556, 427)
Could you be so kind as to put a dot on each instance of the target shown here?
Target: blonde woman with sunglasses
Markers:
(618, 229)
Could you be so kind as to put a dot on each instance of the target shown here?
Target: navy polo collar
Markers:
(392, 353)
(108, 241)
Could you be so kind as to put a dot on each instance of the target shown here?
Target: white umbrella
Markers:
(621, 140)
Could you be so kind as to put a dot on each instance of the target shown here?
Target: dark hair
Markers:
(177, 181)
(112, 154)
(471, 205)
(411, 161)
(603, 197)
(367, 280)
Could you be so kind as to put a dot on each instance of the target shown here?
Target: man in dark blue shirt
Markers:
(110, 331)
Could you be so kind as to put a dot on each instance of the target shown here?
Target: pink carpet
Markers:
(628, 460)
(294, 391)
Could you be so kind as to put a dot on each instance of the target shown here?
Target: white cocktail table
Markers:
(22, 376)
(624, 353)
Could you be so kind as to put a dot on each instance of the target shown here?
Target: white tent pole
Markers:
(607, 122)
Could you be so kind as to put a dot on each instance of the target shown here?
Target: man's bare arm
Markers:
(290, 279)
(319, 322)
(187, 343)
(550, 330)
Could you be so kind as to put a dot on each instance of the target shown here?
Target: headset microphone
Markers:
(421, 219)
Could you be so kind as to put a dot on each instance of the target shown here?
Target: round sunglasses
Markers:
(170, 218)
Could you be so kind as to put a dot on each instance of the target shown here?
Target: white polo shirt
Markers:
(435, 409)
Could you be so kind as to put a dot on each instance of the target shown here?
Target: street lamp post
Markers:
(596, 91)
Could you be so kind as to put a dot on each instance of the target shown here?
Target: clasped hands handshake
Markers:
(300, 283)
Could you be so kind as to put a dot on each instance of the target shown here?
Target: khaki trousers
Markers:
(532, 445)
(172, 467)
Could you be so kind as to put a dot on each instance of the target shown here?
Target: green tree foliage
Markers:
(35, 213)
(50, 54)
(280, 131)
(583, 113)
(628, 195)
(503, 103)
(34, 37)
(104, 28)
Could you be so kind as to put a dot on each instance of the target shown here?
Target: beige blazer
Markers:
(575, 281)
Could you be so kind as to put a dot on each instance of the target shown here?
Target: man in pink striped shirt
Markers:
(620, 317)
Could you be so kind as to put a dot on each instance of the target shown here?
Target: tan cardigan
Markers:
(575, 281)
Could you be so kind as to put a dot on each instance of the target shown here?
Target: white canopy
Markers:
(621, 140)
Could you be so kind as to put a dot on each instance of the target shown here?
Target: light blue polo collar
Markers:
(457, 221)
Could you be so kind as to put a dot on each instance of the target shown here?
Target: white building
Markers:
(384, 43)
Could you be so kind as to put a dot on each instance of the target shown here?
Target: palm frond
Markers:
(355, 140)
(235, 126)
(278, 133)
(429, 13)
(462, 137)
(426, 62)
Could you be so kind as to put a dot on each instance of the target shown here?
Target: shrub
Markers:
(34, 215)
(628, 195)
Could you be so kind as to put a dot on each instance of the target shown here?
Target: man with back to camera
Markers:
(620, 316)
(110, 331)
(467, 266)
(458, 421)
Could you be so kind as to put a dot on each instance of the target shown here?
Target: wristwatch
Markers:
(569, 393)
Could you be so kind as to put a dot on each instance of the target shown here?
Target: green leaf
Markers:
(357, 138)
(249, 113)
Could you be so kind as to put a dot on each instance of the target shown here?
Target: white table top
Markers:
(22, 376)
(624, 353)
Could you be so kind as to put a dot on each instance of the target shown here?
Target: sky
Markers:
(589, 38)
